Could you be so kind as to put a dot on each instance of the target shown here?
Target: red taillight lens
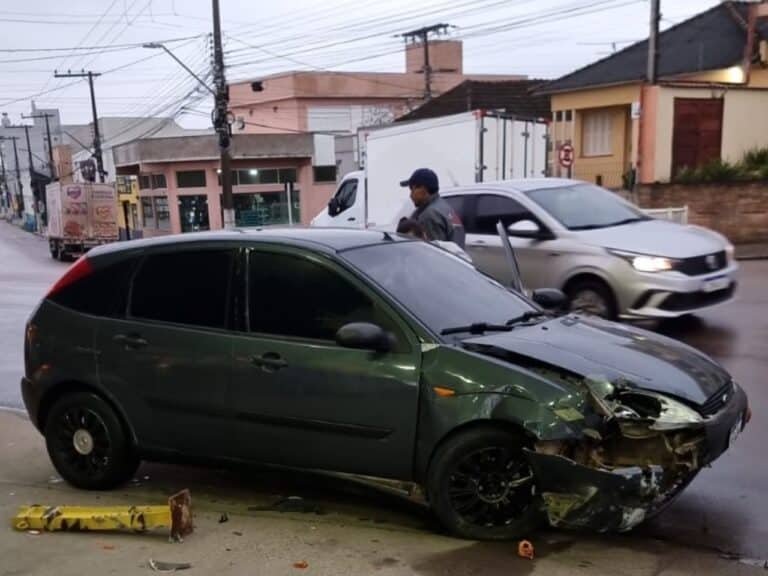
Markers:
(79, 270)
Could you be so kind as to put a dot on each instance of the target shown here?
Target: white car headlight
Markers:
(730, 252)
(646, 263)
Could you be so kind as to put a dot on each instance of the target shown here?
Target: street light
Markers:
(156, 45)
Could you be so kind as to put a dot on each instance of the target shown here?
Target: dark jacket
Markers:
(440, 221)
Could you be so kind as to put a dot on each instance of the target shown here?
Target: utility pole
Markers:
(422, 35)
(653, 43)
(6, 195)
(20, 191)
(221, 121)
(46, 116)
(96, 135)
(35, 197)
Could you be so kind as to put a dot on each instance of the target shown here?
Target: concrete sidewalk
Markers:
(335, 529)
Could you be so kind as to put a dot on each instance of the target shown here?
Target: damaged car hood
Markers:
(594, 347)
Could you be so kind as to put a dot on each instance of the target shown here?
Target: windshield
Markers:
(439, 289)
(584, 207)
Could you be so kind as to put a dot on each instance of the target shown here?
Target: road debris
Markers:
(55, 480)
(176, 516)
(108, 547)
(291, 504)
(33, 532)
(236, 533)
(303, 565)
(525, 549)
(223, 518)
(754, 562)
(158, 566)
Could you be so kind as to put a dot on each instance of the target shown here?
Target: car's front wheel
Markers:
(481, 486)
(592, 296)
(88, 444)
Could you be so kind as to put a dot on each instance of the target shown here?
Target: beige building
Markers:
(710, 102)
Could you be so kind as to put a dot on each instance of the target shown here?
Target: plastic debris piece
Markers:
(303, 565)
(223, 518)
(236, 533)
(108, 547)
(33, 532)
(525, 549)
(158, 566)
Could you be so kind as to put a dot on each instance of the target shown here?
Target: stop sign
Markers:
(565, 155)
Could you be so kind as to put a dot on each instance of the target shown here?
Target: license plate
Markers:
(735, 431)
(715, 284)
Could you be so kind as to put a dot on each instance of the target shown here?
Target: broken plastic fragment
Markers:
(525, 549)
(158, 566)
(303, 565)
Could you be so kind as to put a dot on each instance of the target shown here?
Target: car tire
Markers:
(496, 511)
(88, 444)
(592, 296)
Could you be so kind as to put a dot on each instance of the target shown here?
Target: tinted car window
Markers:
(492, 208)
(585, 206)
(458, 203)
(295, 296)
(189, 287)
(439, 289)
(104, 292)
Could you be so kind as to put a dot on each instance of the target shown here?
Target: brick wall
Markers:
(737, 210)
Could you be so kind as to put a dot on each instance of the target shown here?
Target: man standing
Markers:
(435, 215)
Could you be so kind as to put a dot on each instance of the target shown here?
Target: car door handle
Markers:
(477, 244)
(130, 341)
(351, 219)
(269, 362)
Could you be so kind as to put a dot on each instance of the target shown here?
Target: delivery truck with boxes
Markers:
(80, 216)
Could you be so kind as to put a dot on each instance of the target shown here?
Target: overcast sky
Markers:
(538, 38)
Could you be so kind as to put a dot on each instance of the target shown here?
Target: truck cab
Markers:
(346, 209)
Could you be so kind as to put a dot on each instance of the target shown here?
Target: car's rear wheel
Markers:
(481, 486)
(592, 296)
(87, 442)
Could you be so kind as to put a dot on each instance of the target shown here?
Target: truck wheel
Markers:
(88, 444)
(53, 245)
(481, 486)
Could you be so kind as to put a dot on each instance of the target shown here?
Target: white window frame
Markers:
(597, 133)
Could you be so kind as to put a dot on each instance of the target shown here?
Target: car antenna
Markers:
(388, 237)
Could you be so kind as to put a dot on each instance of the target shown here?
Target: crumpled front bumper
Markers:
(618, 499)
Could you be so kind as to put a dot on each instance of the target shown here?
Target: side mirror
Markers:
(524, 229)
(334, 207)
(549, 298)
(365, 336)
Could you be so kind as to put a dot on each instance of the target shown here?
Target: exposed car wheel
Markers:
(592, 296)
(481, 486)
(88, 444)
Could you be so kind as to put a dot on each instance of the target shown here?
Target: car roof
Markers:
(321, 239)
(517, 185)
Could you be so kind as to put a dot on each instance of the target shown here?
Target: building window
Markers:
(257, 176)
(190, 179)
(193, 213)
(144, 182)
(559, 116)
(266, 209)
(147, 213)
(324, 173)
(163, 214)
(596, 134)
(568, 115)
(158, 181)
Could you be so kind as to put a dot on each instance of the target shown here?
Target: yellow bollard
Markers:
(176, 516)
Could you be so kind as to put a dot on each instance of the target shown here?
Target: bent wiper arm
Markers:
(478, 328)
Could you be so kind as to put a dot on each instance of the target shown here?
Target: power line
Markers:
(88, 48)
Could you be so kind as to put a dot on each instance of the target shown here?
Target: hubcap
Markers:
(491, 487)
(590, 302)
(83, 442)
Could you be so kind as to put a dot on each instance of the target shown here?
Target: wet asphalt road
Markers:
(724, 508)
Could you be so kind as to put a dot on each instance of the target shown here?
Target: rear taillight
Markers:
(79, 270)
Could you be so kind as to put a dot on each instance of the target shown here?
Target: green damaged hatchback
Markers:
(367, 353)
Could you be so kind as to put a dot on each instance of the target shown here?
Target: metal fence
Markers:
(679, 215)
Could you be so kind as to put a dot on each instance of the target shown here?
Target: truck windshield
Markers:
(585, 207)
(439, 289)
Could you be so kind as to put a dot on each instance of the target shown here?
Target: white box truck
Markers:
(462, 149)
(80, 216)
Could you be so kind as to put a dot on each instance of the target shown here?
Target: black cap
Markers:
(423, 177)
